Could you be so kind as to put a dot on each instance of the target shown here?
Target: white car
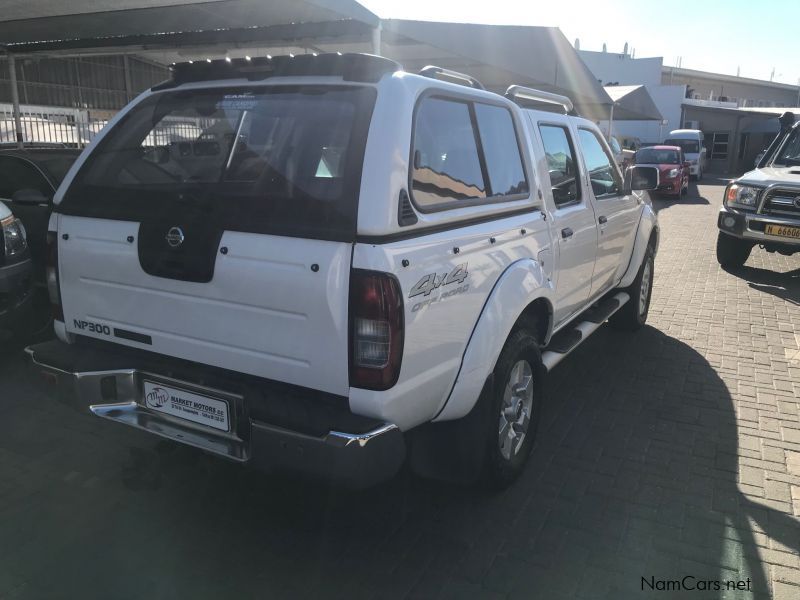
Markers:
(357, 266)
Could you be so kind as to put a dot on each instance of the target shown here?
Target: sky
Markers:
(752, 36)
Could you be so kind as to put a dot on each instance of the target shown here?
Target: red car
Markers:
(673, 169)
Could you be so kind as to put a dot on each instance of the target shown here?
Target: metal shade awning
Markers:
(171, 30)
(632, 103)
(498, 56)
(32, 25)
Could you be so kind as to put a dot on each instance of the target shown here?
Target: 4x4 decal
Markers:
(434, 281)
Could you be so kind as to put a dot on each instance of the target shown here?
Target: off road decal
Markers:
(434, 281)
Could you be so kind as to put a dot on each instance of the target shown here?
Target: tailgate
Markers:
(276, 307)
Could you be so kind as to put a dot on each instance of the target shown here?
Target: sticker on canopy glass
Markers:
(237, 102)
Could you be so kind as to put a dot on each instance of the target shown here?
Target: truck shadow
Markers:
(693, 198)
(633, 480)
(784, 285)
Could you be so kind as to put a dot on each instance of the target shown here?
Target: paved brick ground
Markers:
(671, 452)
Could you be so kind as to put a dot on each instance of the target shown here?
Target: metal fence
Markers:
(65, 127)
(94, 82)
(74, 128)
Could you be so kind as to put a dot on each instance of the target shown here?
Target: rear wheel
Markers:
(516, 402)
(731, 251)
(633, 313)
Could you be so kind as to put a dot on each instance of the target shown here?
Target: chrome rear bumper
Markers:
(356, 459)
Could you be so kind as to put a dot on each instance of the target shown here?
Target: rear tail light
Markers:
(51, 268)
(376, 330)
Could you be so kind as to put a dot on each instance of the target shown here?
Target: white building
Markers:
(719, 105)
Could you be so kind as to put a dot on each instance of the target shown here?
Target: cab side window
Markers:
(561, 165)
(501, 149)
(600, 166)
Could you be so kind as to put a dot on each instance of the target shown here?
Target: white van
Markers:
(691, 142)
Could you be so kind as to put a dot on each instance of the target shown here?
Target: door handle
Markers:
(602, 220)
(566, 233)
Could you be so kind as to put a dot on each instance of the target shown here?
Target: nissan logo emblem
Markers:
(175, 237)
(796, 202)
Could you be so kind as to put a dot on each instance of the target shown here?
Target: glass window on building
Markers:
(717, 145)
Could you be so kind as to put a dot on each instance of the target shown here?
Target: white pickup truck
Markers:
(329, 265)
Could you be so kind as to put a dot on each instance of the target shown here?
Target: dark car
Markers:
(673, 170)
(28, 180)
(15, 275)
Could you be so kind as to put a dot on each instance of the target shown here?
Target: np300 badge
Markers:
(175, 237)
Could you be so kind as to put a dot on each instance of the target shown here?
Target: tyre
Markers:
(515, 407)
(633, 313)
(731, 251)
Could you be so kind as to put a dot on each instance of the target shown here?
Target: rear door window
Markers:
(284, 160)
(464, 153)
(599, 165)
(561, 165)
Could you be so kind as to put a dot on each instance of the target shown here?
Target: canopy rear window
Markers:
(284, 160)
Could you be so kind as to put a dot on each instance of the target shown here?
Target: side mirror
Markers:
(29, 196)
(639, 178)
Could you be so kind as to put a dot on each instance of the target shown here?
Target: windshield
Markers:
(790, 152)
(283, 160)
(688, 146)
(651, 156)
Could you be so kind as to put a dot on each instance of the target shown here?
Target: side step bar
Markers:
(566, 340)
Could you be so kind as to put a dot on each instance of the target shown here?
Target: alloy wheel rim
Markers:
(644, 291)
(515, 409)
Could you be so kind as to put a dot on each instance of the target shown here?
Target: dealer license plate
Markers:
(783, 231)
(197, 408)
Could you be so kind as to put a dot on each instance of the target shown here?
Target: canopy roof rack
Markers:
(525, 95)
(349, 66)
(443, 74)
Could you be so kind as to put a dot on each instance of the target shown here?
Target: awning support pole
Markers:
(611, 120)
(126, 70)
(12, 71)
(376, 40)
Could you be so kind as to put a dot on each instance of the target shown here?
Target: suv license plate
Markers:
(187, 405)
(783, 231)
